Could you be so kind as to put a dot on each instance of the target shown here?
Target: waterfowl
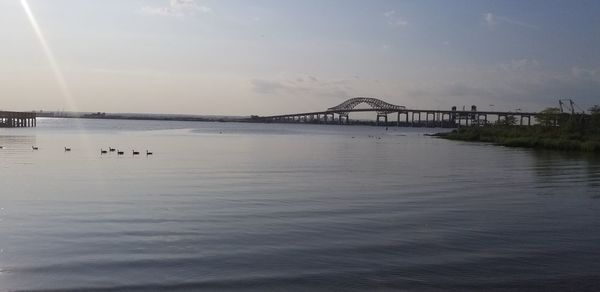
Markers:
(102, 151)
(119, 152)
(67, 149)
(148, 153)
(35, 148)
(111, 149)
(135, 152)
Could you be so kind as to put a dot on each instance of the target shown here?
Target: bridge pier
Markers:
(326, 118)
(418, 114)
(344, 117)
(398, 120)
(385, 118)
(528, 117)
(427, 118)
(443, 121)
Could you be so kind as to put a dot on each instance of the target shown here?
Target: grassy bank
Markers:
(555, 138)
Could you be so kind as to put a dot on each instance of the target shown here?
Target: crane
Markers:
(564, 106)
(568, 105)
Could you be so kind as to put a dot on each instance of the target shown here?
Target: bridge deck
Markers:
(500, 113)
(440, 118)
(412, 117)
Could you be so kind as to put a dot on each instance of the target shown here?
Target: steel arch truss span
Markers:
(379, 105)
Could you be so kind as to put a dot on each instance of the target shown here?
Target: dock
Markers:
(17, 119)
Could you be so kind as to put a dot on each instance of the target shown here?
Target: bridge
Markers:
(340, 114)
(17, 119)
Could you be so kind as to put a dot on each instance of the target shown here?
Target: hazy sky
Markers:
(240, 57)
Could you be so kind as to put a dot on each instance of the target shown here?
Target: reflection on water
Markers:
(225, 206)
(16, 149)
(13, 143)
(579, 172)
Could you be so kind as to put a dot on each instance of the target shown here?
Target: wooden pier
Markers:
(17, 119)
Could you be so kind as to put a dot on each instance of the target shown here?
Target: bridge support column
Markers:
(385, 119)
(345, 118)
(433, 120)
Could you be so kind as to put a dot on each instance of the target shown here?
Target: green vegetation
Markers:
(553, 130)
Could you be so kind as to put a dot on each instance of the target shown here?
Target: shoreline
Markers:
(535, 137)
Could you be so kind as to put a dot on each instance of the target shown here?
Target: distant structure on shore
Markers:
(139, 116)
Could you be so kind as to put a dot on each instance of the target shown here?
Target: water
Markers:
(226, 206)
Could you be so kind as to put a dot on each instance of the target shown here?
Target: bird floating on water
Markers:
(148, 153)
(67, 149)
(102, 151)
(111, 149)
(119, 152)
(135, 152)
(35, 148)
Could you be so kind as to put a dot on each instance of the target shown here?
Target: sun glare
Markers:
(56, 70)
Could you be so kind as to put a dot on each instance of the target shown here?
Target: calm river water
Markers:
(226, 206)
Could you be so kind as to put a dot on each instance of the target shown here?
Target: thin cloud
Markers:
(268, 86)
(514, 87)
(394, 19)
(177, 8)
(586, 73)
(489, 19)
(301, 85)
(520, 65)
(492, 20)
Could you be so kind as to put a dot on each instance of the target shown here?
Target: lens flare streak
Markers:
(56, 70)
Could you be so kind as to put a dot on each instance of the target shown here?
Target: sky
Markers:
(238, 57)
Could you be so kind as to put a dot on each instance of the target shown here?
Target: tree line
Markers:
(553, 130)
